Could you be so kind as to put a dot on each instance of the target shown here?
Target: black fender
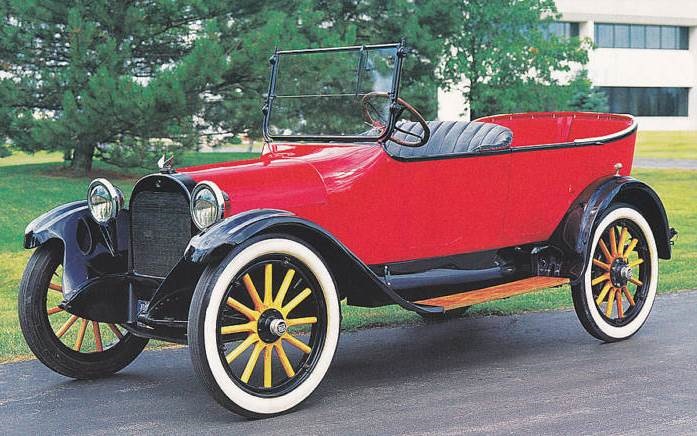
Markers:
(90, 251)
(355, 281)
(574, 233)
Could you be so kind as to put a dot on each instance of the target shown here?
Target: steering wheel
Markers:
(376, 119)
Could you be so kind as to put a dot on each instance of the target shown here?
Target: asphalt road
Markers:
(532, 373)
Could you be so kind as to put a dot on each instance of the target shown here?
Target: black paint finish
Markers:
(574, 233)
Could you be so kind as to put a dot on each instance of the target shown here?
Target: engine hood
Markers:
(286, 184)
(292, 177)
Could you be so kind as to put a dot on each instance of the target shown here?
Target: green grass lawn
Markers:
(30, 185)
(667, 145)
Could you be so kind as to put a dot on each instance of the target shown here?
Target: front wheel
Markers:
(72, 346)
(264, 326)
(617, 291)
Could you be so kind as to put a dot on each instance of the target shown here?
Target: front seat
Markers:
(451, 137)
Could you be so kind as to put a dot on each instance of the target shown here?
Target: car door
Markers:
(451, 205)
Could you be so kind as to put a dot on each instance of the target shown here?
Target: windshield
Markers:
(319, 94)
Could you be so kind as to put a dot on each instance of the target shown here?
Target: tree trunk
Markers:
(472, 95)
(82, 159)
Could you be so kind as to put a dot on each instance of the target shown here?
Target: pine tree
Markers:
(251, 32)
(105, 77)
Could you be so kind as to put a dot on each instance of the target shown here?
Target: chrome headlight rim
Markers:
(220, 203)
(115, 199)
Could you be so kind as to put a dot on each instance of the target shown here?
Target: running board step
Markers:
(455, 301)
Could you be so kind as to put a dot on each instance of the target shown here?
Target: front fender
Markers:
(51, 225)
(89, 250)
(217, 240)
(356, 282)
(575, 232)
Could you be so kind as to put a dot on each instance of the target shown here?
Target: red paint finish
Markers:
(386, 210)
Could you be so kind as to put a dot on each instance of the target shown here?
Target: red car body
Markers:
(390, 210)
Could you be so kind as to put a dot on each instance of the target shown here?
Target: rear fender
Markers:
(574, 233)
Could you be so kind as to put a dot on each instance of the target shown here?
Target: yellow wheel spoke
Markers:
(623, 240)
(285, 363)
(292, 304)
(97, 336)
(55, 287)
(301, 321)
(603, 294)
(244, 310)
(252, 290)
(268, 284)
(636, 263)
(53, 310)
(267, 366)
(631, 247)
(610, 302)
(80, 335)
(613, 242)
(234, 354)
(297, 343)
(278, 302)
(628, 295)
(252, 362)
(115, 330)
(64, 328)
(600, 264)
(620, 311)
(636, 282)
(606, 252)
(251, 326)
(600, 279)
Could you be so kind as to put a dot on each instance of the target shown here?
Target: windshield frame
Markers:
(393, 95)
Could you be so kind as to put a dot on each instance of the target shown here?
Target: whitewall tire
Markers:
(617, 291)
(264, 326)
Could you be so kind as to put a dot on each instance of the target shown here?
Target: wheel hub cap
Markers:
(278, 327)
(271, 325)
(620, 273)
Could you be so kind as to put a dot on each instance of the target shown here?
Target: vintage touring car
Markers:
(355, 197)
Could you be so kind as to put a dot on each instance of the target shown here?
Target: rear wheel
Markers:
(69, 345)
(263, 326)
(617, 292)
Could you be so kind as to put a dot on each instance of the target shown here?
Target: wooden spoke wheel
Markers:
(619, 284)
(264, 339)
(70, 345)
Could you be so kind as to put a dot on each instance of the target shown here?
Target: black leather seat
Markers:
(451, 137)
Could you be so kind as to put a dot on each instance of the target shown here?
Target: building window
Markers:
(560, 29)
(641, 36)
(653, 36)
(637, 36)
(647, 102)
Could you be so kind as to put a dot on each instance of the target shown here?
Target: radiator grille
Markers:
(161, 230)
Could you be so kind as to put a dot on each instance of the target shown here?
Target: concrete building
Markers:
(645, 60)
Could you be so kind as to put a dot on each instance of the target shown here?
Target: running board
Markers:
(455, 301)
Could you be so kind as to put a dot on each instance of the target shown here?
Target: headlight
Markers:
(104, 200)
(207, 204)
